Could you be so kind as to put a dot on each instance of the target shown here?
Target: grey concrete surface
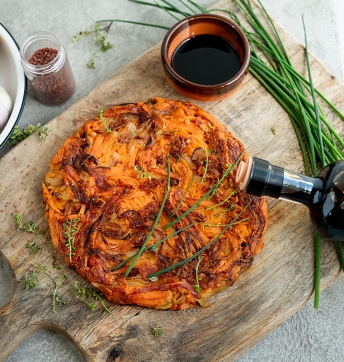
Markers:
(309, 335)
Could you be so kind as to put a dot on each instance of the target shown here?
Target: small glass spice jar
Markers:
(46, 65)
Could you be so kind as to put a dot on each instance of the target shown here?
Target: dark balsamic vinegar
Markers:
(206, 60)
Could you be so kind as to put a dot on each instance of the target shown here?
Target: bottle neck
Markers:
(260, 178)
(300, 188)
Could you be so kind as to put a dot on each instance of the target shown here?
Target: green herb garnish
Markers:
(157, 330)
(210, 225)
(233, 192)
(197, 286)
(30, 226)
(101, 112)
(89, 296)
(56, 266)
(204, 177)
(69, 233)
(56, 299)
(31, 278)
(18, 136)
(143, 174)
(100, 40)
(33, 247)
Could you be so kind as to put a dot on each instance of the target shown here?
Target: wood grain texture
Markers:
(278, 284)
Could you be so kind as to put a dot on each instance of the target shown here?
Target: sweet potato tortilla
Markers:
(142, 203)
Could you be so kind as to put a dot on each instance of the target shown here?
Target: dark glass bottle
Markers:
(324, 195)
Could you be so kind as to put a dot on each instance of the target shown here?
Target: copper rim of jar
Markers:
(210, 24)
(35, 41)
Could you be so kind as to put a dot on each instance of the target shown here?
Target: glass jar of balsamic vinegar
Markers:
(324, 195)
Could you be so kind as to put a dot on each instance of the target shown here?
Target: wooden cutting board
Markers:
(278, 284)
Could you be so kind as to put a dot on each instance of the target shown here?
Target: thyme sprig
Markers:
(197, 285)
(56, 299)
(199, 252)
(70, 230)
(89, 296)
(82, 293)
(33, 247)
(30, 226)
(218, 225)
(100, 114)
(156, 220)
(204, 177)
(229, 208)
(143, 173)
(18, 136)
(100, 40)
(31, 278)
(56, 266)
(40, 268)
(213, 207)
(157, 330)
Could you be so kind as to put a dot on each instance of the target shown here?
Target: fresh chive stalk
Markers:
(317, 271)
(133, 22)
(156, 220)
(316, 107)
(340, 254)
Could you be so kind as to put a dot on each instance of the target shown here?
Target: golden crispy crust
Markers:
(106, 187)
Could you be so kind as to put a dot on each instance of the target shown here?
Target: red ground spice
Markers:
(56, 87)
(43, 56)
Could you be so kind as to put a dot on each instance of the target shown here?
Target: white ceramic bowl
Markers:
(12, 78)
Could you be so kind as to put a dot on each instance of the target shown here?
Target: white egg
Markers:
(5, 107)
